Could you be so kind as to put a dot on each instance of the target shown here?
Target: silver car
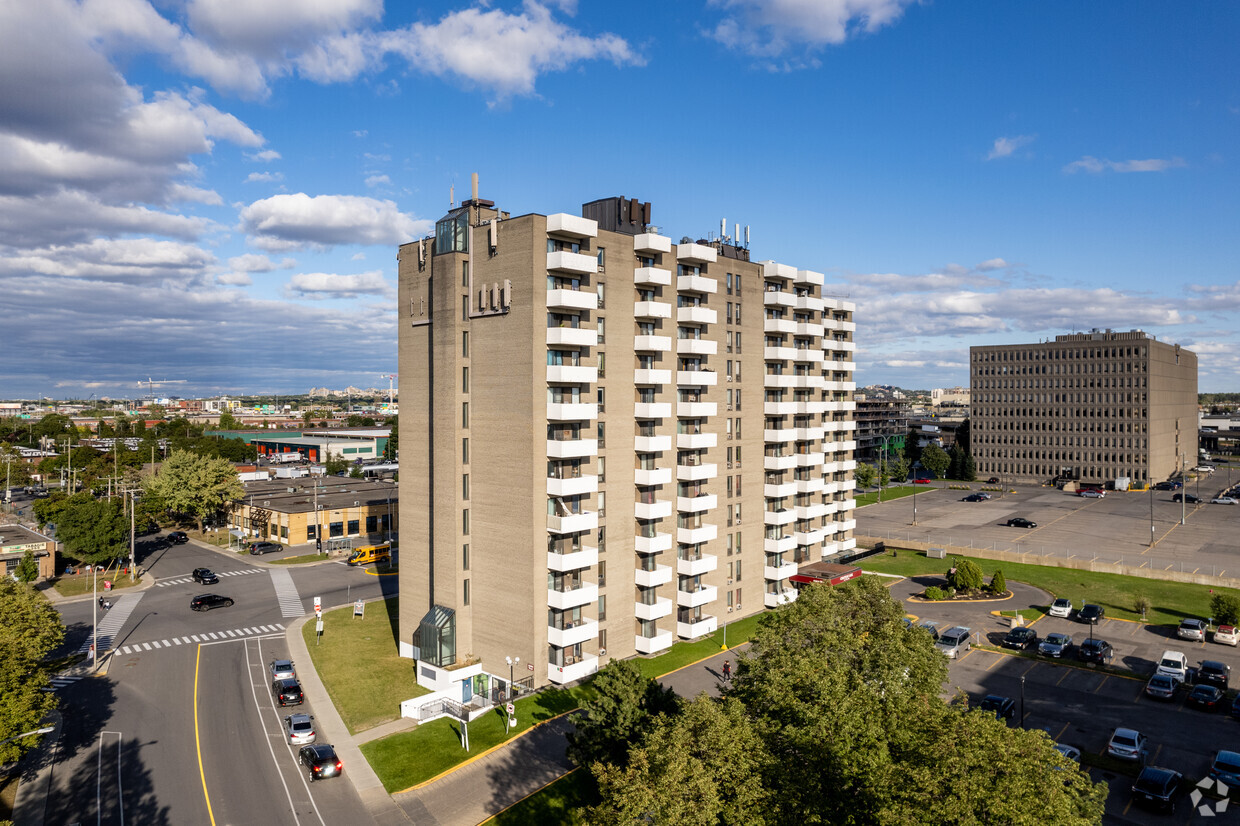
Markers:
(299, 728)
(283, 670)
(1055, 645)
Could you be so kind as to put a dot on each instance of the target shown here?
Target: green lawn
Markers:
(553, 805)
(1170, 601)
(297, 560)
(357, 661)
(74, 585)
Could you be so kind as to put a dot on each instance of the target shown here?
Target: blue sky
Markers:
(212, 191)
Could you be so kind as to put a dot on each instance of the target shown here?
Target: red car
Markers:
(922, 481)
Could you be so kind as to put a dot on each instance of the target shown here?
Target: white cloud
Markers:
(360, 133)
(1096, 165)
(265, 156)
(1004, 147)
(284, 222)
(358, 256)
(258, 263)
(378, 180)
(273, 27)
(76, 216)
(183, 193)
(330, 285)
(125, 259)
(992, 264)
(263, 177)
(769, 28)
(236, 279)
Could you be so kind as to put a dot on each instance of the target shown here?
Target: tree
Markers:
(935, 460)
(29, 629)
(228, 421)
(965, 575)
(335, 464)
(196, 486)
(393, 442)
(998, 583)
(865, 475)
(970, 468)
(618, 715)
(1225, 608)
(901, 467)
(955, 466)
(28, 568)
(93, 530)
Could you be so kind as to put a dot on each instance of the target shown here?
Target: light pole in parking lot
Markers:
(1150, 488)
(916, 465)
(1022, 700)
(882, 463)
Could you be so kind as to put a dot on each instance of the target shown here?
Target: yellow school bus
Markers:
(371, 553)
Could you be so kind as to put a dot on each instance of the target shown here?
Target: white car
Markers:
(299, 728)
(1226, 635)
(1093, 494)
(1192, 629)
(1173, 664)
(1223, 500)
(1204, 469)
(1061, 608)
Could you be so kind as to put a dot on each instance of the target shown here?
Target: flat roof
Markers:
(297, 494)
(16, 535)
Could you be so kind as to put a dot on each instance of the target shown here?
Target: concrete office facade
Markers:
(609, 441)
(1093, 407)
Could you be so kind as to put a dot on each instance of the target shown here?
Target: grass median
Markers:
(1169, 601)
(75, 585)
(556, 803)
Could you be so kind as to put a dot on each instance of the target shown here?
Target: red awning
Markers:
(804, 580)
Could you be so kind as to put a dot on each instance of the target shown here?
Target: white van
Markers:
(1173, 664)
(954, 642)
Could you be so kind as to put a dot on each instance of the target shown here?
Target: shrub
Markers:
(1142, 604)
(998, 585)
(1225, 608)
(965, 576)
(934, 592)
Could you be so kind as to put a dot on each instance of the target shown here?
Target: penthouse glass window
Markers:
(452, 233)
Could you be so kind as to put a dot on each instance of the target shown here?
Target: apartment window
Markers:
(729, 318)
(310, 532)
(728, 366)
(729, 544)
(602, 404)
(738, 365)
(464, 414)
(465, 557)
(464, 379)
(738, 562)
(602, 469)
(738, 313)
(601, 300)
(465, 592)
(738, 335)
(602, 365)
(602, 259)
(728, 425)
(738, 392)
(738, 543)
(736, 284)
(465, 487)
(465, 344)
(602, 538)
(465, 307)
(602, 607)
(729, 457)
(464, 273)
(602, 439)
(729, 283)
(729, 487)
(602, 574)
(465, 522)
(602, 508)
(738, 599)
(738, 515)
(465, 451)
(729, 600)
(728, 336)
(738, 458)
(738, 428)
(738, 484)
(602, 641)
(601, 335)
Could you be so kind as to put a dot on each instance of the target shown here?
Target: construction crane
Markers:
(391, 377)
(150, 384)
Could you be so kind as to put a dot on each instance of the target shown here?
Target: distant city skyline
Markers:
(212, 193)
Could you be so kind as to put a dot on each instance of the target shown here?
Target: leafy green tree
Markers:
(29, 629)
(865, 475)
(335, 464)
(935, 460)
(1225, 608)
(900, 467)
(195, 486)
(393, 442)
(965, 575)
(955, 465)
(998, 583)
(27, 568)
(16, 471)
(93, 530)
(703, 766)
(969, 474)
(53, 425)
(228, 421)
(618, 715)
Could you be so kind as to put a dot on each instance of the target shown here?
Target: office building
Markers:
(609, 440)
(1092, 407)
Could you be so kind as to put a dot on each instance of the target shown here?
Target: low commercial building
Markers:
(15, 540)
(302, 510)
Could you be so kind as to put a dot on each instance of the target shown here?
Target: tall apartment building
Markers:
(876, 419)
(1094, 407)
(608, 441)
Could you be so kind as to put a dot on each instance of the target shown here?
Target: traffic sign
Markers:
(511, 709)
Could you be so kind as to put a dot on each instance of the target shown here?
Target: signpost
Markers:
(359, 609)
(318, 623)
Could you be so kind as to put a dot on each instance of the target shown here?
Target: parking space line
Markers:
(1064, 676)
(1061, 731)
(1032, 666)
(1154, 759)
(997, 660)
(1105, 677)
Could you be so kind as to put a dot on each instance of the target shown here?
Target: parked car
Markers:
(1070, 752)
(205, 602)
(1223, 500)
(260, 548)
(931, 627)
(1167, 486)
(1226, 768)
(1061, 608)
(282, 670)
(1192, 629)
(920, 481)
(1056, 645)
(320, 761)
(205, 575)
(1235, 706)
(1020, 522)
(1206, 697)
(975, 497)
(954, 642)
(1158, 788)
(1090, 493)
(1095, 651)
(178, 537)
(1226, 635)
(1128, 744)
(1187, 498)
(287, 692)
(299, 728)
(1162, 687)
(1091, 614)
(1204, 469)
(1021, 639)
(1173, 664)
(993, 480)
(1004, 708)
(1214, 672)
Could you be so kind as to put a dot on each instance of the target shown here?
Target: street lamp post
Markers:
(512, 693)
(1151, 490)
(1022, 701)
(882, 463)
(916, 465)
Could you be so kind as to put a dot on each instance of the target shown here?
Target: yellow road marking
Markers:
(1066, 672)
(993, 664)
(197, 744)
(1105, 677)
(1154, 759)
(1062, 730)
(1032, 666)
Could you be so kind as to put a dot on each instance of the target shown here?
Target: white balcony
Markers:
(778, 298)
(573, 262)
(782, 489)
(571, 300)
(809, 434)
(696, 473)
(572, 561)
(652, 444)
(659, 642)
(812, 485)
(577, 486)
(704, 595)
(692, 536)
(652, 410)
(658, 509)
(781, 408)
(696, 315)
(808, 329)
(779, 571)
(781, 545)
(808, 278)
(573, 336)
(652, 277)
(651, 376)
(696, 441)
(578, 633)
(814, 407)
(779, 462)
(696, 284)
(697, 378)
(783, 435)
(695, 567)
(657, 344)
(651, 309)
(696, 410)
(697, 504)
(778, 325)
(774, 270)
(563, 600)
(660, 608)
(784, 597)
(696, 347)
(808, 355)
(564, 223)
(653, 476)
(779, 353)
(810, 459)
(839, 326)
(651, 242)
(657, 544)
(783, 517)
(696, 253)
(579, 412)
(780, 380)
(809, 302)
(810, 537)
(661, 575)
(701, 628)
(572, 672)
(571, 374)
(573, 523)
(846, 525)
(571, 448)
(846, 386)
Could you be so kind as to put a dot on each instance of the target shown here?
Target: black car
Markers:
(1205, 697)
(260, 548)
(1020, 639)
(974, 497)
(1158, 788)
(1095, 651)
(320, 761)
(1004, 708)
(1021, 522)
(1091, 614)
(1188, 498)
(1214, 672)
(992, 480)
(287, 692)
(205, 602)
(178, 537)
(205, 575)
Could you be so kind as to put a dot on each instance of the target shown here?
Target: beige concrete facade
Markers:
(1095, 407)
(295, 511)
(610, 441)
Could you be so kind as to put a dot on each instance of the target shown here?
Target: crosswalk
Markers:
(195, 639)
(286, 593)
(111, 622)
(181, 580)
(62, 681)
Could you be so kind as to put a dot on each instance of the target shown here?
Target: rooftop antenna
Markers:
(737, 234)
(452, 196)
(746, 236)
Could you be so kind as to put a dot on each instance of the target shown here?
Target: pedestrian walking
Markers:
(727, 671)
